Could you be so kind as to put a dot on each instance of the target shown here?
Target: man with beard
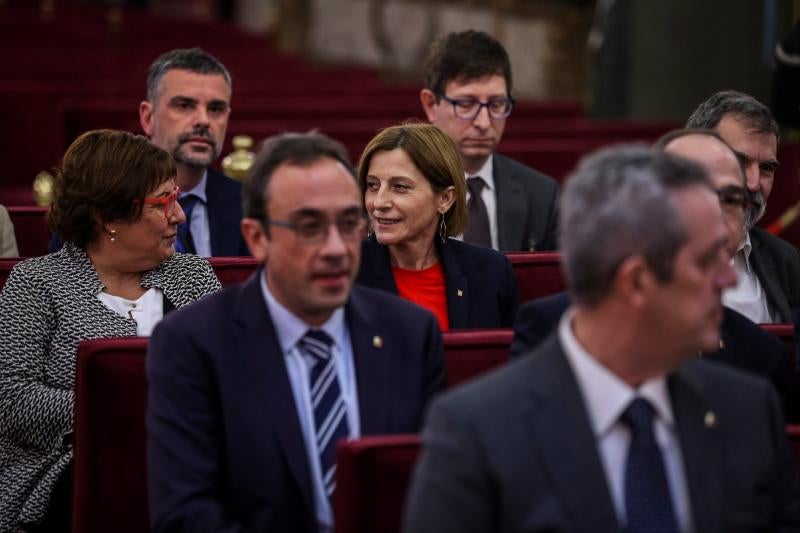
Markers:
(768, 289)
(186, 113)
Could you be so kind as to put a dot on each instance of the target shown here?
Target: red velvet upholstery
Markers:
(538, 274)
(372, 476)
(30, 229)
(784, 331)
(5, 269)
(793, 434)
(469, 354)
(233, 270)
(109, 484)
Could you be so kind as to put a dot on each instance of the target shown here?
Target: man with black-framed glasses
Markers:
(250, 391)
(467, 95)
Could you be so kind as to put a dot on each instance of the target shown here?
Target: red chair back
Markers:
(372, 477)
(538, 274)
(233, 270)
(785, 332)
(5, 269)
(109, 481)
(793, 434)
(30, 229)
(469, 354)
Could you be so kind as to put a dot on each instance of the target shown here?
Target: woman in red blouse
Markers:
(415, 196)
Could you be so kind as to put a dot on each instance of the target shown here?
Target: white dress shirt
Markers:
(198, 225)
(748, 296)
(290, 330)
(489, 197)
(606, 397)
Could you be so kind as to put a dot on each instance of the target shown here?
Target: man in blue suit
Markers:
(186, 113)
(613, 423)
(251, 389)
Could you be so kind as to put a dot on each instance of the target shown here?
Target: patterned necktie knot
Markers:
(475, 184)
(185, 242)
(638, 416)
(317, 344)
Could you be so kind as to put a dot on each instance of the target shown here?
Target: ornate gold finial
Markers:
(238, 163)
(43, 185)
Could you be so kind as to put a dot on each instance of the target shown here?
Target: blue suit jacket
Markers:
(744, 344)
(481, 287)
(224, 206)
(515, 451)
(225, 447)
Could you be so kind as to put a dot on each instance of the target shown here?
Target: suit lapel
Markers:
(222, 209)
(265, 367)
(377, 257)
(371, 365)
(768, 276)
(510, 207)
(701, 448)
(456, 287)
(562, 430)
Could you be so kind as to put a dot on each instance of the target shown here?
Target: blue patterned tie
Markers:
(648, 503)
(330, 411)
(184, 243)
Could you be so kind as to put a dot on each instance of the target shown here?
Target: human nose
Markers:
(177, 216)
(753, 178)
(201, 116)
(727, 276)
(382, 199)
(333, 244)
(482, 119)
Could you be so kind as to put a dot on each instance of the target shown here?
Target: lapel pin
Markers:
(721, 344)
(377, 342)
(710, 419)
(459, 293)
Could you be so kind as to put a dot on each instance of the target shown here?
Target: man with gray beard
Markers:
(768, 289)
(186, 113)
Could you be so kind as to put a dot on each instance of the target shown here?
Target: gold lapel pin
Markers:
(459, 293)
(377, 342)
(721, 344)
(710, 419)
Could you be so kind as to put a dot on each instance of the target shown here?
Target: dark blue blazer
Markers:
(224, 207)
(481, 287)
(225, 449)
(743, 343)
(514, 450)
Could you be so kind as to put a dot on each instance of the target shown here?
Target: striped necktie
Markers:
(330, 411)
(478, 230)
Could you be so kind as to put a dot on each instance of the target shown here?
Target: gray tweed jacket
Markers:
(47, 307)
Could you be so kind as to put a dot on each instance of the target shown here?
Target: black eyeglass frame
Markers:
(455, 101)
(319, 237)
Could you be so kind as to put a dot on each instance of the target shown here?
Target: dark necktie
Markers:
(478, 226)
(185, 243)
(330, 411)
(648, 502)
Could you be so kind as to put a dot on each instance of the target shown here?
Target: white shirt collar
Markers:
(290, 329)
(198, 190)
(606, 395)
(744, 250)
(486, 172)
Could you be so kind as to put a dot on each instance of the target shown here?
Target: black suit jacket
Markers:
(776, 263)
(224, 206)
(480, 283)
(744, 344)
(514, 452)
(225, 448)
(527, 207)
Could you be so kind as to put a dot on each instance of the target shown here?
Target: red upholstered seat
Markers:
(785, 332)
(5, 269)
(30, 229)
(469, 354)
(793, 434)
(109, 484)
(372, 476)
(233, 270)
(538, 274)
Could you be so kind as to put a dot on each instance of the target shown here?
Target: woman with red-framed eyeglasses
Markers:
(117, 275)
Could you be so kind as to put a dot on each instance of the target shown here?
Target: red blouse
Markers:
(425, 288)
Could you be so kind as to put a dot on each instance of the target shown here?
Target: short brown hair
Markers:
(102, 175)
(465, 56)
(434, 154)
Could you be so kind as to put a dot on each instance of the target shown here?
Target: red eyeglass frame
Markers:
(165, 201)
